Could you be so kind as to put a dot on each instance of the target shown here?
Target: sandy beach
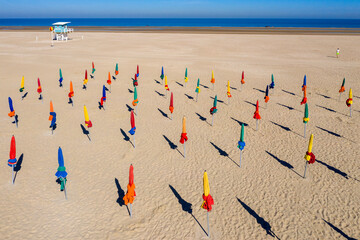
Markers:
(267, 198)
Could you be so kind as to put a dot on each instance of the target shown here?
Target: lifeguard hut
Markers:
(61, 31)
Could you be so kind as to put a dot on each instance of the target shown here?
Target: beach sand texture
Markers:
(267, 198)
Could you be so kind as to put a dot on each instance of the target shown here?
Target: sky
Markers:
(180, 9)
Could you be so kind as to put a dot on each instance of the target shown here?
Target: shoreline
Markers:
(197, 30)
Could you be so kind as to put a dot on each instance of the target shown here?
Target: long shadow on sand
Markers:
(262, 91)
(285, 128)
(160, 94)
(85, 132)
(329, 132)
(328, 109)
(186, 206)
(322, 95)
(18, 165)
(189, 97)
(220, 101)
(239, 122)
(286, 106)
(126, 137)
(121, 193)
(339, 231)
(223, 153)
(162, 113)
(172, 145)
(335, 170)
(264, 224)
(157, 81)
(180, 84)
(129, 108)
(284, 163)
(291, 93)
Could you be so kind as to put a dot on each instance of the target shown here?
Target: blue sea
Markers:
(187, 22)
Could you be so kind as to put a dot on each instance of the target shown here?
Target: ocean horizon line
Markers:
(187, 22)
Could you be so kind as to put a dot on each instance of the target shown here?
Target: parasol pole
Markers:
(208, 225)
(197, 96)
(304, 130)
(240, 157)
(12, 175)
(350, 110)
(257, 124)
(212, 120)
(184, 150)
(305, 169)
(130, 209)
(65, 188)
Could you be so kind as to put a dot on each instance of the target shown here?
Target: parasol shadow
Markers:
(120, 192)
(160, 94)
(223, 153)
(188, 96)
(286, 106)
(24, 96)
(203, 86)
(264, 224)
(284, 163)
(285, 128)
(126, 137)
(85, 132)
(157, 81)
(239, 122)
(339, 231)
(18, 165)
(324, 96)
(180, 84)
(172, 145)
(291, 93)
(129, 108)
(217, 100)
(130, 91)
(262, 91)
(335, 170)
(164, 114)
(186, 206)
